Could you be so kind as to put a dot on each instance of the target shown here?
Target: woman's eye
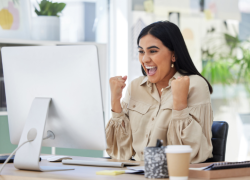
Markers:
(153, 51)
(141, 52)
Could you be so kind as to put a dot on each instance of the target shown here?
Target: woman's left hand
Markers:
(180, 88)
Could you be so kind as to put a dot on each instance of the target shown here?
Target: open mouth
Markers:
(151, 70)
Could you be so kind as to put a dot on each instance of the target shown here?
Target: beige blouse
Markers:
(149, 117)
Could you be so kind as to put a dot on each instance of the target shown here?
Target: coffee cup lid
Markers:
(178, 149)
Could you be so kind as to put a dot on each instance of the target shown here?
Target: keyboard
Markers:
(98, 163)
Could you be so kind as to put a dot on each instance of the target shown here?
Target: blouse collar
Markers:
(150, 85)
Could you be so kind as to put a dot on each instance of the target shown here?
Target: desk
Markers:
(80, 172)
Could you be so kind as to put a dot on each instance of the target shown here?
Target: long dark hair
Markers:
(171, 37)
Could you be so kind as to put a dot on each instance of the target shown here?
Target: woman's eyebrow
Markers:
(153, 47)
(149, 47)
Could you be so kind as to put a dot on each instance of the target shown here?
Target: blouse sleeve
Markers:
(192, 126)
(119, 138)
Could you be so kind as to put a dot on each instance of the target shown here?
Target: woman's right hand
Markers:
(117, 84)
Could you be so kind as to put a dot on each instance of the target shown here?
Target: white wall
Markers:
(119, 37)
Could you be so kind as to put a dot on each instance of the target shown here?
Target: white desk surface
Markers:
(80, 172)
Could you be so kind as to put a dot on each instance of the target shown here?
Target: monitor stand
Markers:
(27, 157)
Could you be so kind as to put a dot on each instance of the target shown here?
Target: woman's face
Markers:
(155, 58)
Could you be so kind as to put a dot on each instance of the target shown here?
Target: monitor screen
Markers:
(69, 75)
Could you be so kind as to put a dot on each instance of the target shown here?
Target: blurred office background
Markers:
(216, 33)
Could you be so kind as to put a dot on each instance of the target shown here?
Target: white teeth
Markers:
(150, 67)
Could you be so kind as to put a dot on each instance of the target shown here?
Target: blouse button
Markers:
(146, 136)
(141, 153)
(133, 106)
(153, 119)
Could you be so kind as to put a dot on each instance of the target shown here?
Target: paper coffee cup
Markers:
(178, 159)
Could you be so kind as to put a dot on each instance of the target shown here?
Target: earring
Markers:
(172, 66)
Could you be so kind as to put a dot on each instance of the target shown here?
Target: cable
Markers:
(7, 160)
(47, 137)
(10, 156)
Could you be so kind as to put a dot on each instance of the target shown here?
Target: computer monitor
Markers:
(54, 88)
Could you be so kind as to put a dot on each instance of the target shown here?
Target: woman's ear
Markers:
(173, 57)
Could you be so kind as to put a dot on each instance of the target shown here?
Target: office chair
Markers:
(219, 140)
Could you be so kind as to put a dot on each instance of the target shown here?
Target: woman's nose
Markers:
(146, 59)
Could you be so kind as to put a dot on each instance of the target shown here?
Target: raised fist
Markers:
(180, 88)
(117, 84)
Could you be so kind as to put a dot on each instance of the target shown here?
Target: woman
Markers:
(170, 102)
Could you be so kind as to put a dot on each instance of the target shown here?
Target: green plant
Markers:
(227, 62)
(217, 72)
(48, 8)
